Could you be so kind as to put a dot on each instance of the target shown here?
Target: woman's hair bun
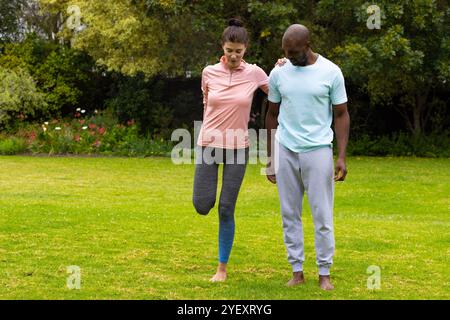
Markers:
(235, 22)
(235, 32)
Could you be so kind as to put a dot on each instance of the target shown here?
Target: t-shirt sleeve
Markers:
(261, 78)
(274, 93)
(338, 94)
(205, 87)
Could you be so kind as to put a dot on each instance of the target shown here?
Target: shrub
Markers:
(142, 100)
(401, 144)
(19, 97)
(66, 77)
(98, 134)
(12, 145)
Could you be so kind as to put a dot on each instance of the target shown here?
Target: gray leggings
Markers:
(205, 188)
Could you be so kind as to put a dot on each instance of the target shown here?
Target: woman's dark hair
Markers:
(235, 32)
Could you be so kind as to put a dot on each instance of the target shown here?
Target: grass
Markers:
(129, 224)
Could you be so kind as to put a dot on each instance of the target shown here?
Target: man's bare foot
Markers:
(221, 274)
(297, 278)
(325, 283)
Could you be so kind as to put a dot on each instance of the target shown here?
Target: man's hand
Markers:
(340, 170)
(270, 173)
(342, 127)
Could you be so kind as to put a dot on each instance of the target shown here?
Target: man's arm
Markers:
(342, 128)
(271, 126)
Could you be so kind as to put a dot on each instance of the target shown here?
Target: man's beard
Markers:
(300, 61)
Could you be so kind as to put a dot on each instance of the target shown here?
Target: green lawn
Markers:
(130, 226)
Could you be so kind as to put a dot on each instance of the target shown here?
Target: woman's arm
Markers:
(265, 88)
(205, 88)
(261, 79)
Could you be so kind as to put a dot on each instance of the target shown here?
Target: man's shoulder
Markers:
(277, 70)
(330, 64)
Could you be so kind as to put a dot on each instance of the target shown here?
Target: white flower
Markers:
(84, 127)
(57, 128)
(95, 111)
(83, 111)
(44, 128)
(46, 123)
(78, 109)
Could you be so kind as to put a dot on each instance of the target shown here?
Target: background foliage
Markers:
(143, 59)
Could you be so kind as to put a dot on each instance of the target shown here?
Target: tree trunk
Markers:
(418, 112)
(417, 127)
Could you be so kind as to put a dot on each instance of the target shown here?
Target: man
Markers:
(304, 94)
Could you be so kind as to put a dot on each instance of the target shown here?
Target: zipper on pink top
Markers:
(229, 82)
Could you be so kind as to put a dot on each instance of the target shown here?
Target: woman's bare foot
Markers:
(297, 278)
(325, 283)
(221, 274)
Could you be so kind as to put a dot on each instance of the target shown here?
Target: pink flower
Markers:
(97, 143)
(77, 138)
(101, 130)
(130, 122)
(32, 136)
(92, 126)
(81, 121)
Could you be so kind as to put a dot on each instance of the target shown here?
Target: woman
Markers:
(228, 88)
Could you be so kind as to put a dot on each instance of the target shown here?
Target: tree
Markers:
(116, 34)
(66, 77)
(402, 63)
(21, 17)
(170, 37)
(19, 96)
(10, 19)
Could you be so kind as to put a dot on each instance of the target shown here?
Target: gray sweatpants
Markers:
(311, 172)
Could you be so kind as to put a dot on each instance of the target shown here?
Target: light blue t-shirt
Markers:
(307, 95)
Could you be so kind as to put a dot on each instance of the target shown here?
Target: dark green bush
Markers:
(67, 78)
(401, 144)
(141, 100)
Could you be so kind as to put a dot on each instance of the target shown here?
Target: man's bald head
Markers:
(296, 44)
(297, 33)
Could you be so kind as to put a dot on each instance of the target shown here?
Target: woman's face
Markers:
(234, 52)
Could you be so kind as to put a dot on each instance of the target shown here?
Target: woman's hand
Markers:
(281, 62)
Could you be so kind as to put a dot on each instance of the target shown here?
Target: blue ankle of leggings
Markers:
(226, 237)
